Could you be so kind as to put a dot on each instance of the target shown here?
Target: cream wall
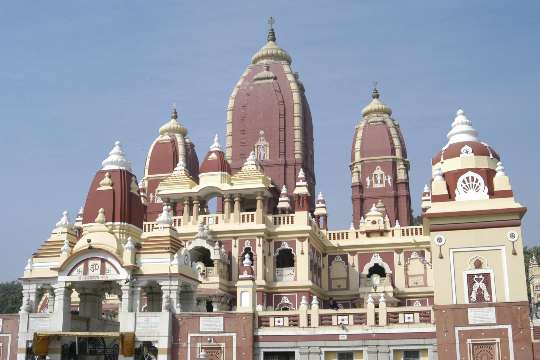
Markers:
(492, 245)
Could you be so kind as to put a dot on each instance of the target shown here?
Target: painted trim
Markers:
(233, 335)
(479, 271)
(8, 346)
(483, 248)
(507, 327)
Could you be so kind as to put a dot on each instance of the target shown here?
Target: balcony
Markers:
(348, 319)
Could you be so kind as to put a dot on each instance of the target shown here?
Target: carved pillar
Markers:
(227, 208)
(237, 200)
(127, 298)
(185, 213)
(195, 213)
(259, 212)
(61, 318)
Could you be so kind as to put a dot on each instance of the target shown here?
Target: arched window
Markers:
(285, 259)
(376, 269)
(201, 254)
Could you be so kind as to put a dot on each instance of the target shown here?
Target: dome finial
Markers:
(215, 146)
(174, 114)
(375, 92)
(271, 34)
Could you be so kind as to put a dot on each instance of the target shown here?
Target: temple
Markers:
(232, 257)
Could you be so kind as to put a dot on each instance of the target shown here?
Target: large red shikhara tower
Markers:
(379, 166)
(268, 113)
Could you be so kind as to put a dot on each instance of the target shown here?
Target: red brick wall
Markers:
(237, 335)
(8, 336)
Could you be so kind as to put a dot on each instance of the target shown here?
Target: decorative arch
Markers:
(471, 186)
(376, 259)
(93, 265)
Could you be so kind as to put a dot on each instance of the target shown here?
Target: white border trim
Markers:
(9, 345)
(233, 335)
(492, 280)
(507, 327)
(483, 248)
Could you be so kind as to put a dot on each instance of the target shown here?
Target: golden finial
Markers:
(271, 34)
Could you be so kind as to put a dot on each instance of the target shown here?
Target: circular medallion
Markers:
(512, 236)
(439, 240)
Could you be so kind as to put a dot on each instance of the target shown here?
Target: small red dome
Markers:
(464, 148)
(116, 192)
(215, 161)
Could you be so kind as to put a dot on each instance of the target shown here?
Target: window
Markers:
(411, 355)
(345, 355)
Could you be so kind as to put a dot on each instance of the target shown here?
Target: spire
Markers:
(271, 34)
(174, 114)
(462, 129)
(173, 126)
(116, 159)
(284, 202)
(64, 221)
(271, 51)
(376, 105)
(216, 146)
(301, 180)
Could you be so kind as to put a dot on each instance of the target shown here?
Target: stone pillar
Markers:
(432, 353)
(136, 299)
(51, 300)
(195, 212)
(127, 298)
(186, 299)
(382, 311)
(303, 316)
(371, 353)
(89, 303)
(314, 312)
(61, 317)
(227, 208)
(370, 311)
(236, 216)
(259, 212)
(259, 252)
(185, 212)
(170, 299)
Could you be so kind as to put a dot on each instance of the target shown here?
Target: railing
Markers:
(409, 315)
(247, 218)
(369, 316)
(406, 231)
(212, 219)
(279, 319)
(342, 317)
(287, 219)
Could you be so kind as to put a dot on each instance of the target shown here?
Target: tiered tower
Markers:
(475, 226)
(268, 113)
(379, 165)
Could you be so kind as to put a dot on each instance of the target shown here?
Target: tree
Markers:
(10, 297)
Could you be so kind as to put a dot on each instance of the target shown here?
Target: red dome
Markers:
(215, 161)
(456, 150)
(115, 191)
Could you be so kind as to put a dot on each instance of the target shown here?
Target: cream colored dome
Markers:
(376, 106)
(271, 51)
(173, 126)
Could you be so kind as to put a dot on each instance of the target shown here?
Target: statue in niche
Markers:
(261, 147)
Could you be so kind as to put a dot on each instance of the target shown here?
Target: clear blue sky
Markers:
(77, 75)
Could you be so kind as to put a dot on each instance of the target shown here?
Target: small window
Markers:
(536, 287)
(411, 355)
(345, 355)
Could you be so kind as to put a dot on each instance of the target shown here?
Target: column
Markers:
(50, 291)
(185, 212)
(170, 299)
(227, 208)
(195, 212)
(61, 318)
(259, 212)
(259, 252)
(236, 215)
(127, 298)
